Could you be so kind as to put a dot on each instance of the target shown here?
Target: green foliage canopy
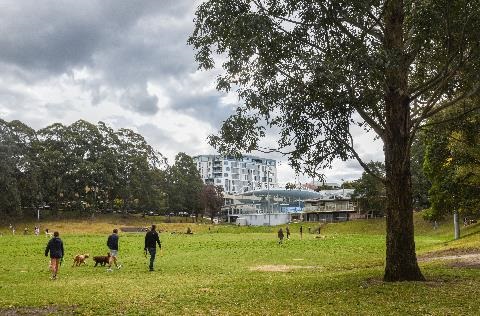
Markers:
(184, 185)
(452, 162)
(313, 69)
(369, 191)
(81, 167)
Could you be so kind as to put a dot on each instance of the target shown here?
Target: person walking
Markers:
(288, 232)
(151, 241)
(301, 232)
(112, 244)
(280, 236)
(55, 248)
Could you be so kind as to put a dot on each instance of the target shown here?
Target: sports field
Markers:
(228, 270)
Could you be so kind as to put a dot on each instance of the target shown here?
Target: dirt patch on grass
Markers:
(434, 282)
(461, 258)
(38, 311)
(472, 264)
(279, 268)
(450, 252)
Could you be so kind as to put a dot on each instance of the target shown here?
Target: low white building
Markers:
(268, 219)
(334, 205)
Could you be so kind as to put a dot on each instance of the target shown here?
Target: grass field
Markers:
(228, 270)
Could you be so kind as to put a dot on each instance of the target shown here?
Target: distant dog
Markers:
(102, 260)
(79, 259)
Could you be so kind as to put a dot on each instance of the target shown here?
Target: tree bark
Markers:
(401, 260)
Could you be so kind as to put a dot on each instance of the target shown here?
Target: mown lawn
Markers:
(228, 270)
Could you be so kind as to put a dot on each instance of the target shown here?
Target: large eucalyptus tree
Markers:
(312, 69)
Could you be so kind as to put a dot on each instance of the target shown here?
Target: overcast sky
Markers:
(125, 63)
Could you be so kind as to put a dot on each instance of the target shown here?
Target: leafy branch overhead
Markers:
(314, 69)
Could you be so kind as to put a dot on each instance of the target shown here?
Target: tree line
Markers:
(87, 168)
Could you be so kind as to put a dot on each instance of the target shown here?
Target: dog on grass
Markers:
(79, 259)
(102, 260)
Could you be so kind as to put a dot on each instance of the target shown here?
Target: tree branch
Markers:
(475, 89)
(416, 124)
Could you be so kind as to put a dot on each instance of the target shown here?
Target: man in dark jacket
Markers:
(55, 247)
(112, 244)
(280, 236)
(151, 241)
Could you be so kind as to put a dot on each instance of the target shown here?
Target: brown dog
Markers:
(102, 260)
(79, 259)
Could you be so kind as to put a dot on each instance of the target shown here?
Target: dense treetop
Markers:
(86, 168)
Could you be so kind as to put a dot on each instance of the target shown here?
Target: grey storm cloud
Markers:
(203, 107)
(58, 110)
(12, 99)
(124, 42)
(53, 36)
(164, 140)
(140, 101)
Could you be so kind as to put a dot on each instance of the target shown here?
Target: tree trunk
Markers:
(401, 260)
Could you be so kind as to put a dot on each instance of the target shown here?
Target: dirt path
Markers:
(460, 259)
(279, 268)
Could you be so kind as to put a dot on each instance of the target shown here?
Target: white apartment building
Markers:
(237, 175)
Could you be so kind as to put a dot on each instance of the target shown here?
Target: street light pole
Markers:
(456, 225)
(268, 196)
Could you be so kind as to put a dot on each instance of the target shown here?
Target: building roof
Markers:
(240, 159)
(302, 194)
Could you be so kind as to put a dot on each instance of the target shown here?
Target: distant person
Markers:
(151, 241)
(55, 247)
(288, 232)
(112, 244)
(301, 232)
(37, 230)
(280, 236)
(25, 231)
